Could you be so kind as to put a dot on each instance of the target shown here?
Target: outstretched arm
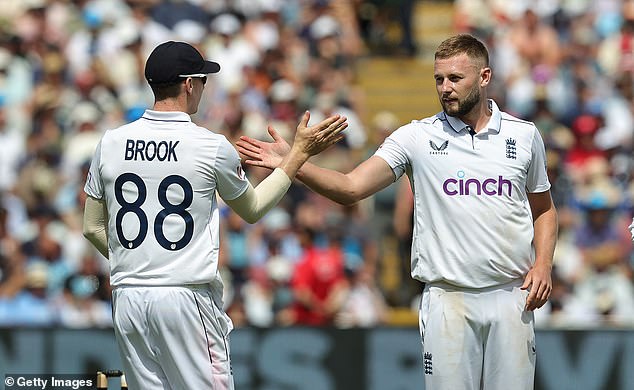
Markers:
(255, 202)
(366, 179)
(346, 188)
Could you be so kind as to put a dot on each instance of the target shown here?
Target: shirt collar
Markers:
(494, 122)
(167, 116)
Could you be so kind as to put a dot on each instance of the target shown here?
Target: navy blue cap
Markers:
(170, 61)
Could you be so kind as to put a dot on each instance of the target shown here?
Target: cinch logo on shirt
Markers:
(489, 186)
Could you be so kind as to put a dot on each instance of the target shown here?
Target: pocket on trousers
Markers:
(429, 303)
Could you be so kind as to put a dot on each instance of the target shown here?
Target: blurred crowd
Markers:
(70, 69)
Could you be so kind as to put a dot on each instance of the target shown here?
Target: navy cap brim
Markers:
(210, 67)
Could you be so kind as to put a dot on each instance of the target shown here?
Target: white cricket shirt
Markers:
(473, 226)
(159, 176)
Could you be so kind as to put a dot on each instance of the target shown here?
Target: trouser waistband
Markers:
(198, 286)
(451, 287)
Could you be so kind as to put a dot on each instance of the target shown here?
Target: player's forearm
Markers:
(333, 185)
(255, 202)
(546, 227)
(367, 178)
(293, 161)
(95, 224)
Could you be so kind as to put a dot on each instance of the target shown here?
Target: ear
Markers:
(485, 76)
(189, 85)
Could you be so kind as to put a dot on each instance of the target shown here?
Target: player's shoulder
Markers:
(112, 135)
(439, 119)
(515, 123)
(193, 131)
(203, 133)
(425, 124)
(124, 129)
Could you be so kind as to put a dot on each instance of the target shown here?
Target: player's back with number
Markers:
(159, 176)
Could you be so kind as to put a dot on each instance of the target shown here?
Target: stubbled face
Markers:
(458, 83)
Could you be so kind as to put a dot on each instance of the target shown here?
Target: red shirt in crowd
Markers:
(319, 273)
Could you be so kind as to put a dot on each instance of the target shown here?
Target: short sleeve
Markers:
(394, 152)
(231, 181)
(94, 184)
(537, 178)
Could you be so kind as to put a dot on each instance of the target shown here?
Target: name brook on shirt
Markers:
(141, 150)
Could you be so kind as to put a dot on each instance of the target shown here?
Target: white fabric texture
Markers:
(480, 331)
(171, 358)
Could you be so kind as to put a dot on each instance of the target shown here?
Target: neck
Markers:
(479, 116)
(178, 103)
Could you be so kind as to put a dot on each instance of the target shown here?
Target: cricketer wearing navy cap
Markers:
(172, 61)
(152, 209)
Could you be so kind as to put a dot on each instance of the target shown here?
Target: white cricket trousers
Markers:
(172, 338)
(477, 339)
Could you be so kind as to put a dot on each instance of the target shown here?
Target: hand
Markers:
(540, 283)
(312, 140)
(261, 153)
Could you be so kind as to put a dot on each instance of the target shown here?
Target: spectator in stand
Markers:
(81, 138)
(12, 271)
(535, 41)
(318, 282)
(530, 62)
(598, 236)
(46, 248)
(280, 269)
(85, 299)
(327, 102)
(237, 247)
(584, 151)
(604, 284)
(228, 42)
(364, 305)
(13, 149)
(30, 307)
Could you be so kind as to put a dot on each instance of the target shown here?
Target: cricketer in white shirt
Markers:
(171, 165)
(152, 210)
(157, 178)
(472, 226)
